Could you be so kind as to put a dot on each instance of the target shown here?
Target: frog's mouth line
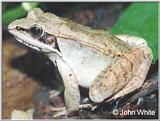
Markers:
(28, 44)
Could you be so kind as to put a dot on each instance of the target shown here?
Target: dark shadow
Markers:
(39, 67)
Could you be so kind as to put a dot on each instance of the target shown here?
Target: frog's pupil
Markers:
(35, 31)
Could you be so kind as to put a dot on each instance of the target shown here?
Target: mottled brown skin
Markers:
(127, 69)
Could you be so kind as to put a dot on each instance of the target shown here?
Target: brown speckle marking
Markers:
(143, 54)
(124, 70)
(105, 45)
(139, 59)
(110, 51)
(115, 74)
(122, 67)
(129, 62)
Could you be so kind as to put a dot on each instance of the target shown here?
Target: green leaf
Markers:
(12, 14)
(140, 19)
(17, 12)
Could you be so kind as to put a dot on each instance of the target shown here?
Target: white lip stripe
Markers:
(27, 44)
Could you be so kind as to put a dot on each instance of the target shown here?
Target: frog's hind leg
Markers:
(133, 40)
(140, 75)
(137, 80)
(124, 76)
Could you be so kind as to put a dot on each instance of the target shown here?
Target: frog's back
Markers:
(99, 39)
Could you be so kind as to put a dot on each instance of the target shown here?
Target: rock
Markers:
(17, 114)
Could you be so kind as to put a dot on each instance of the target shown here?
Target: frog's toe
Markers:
(98, 96)
(61, 113)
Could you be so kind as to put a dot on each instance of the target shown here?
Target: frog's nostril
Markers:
(11, 26)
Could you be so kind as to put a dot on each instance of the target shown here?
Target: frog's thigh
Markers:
(140, 75)
(138, 78)
(131, 67)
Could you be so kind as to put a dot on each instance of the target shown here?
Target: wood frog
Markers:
(110, 66)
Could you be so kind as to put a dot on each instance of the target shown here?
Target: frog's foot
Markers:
(65, 112)
(61, 112)
(54, 93)
(60, 109)
(83, 106)
(124, 76)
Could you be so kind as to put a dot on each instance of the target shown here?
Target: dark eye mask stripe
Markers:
(45, 38)
(21, 29)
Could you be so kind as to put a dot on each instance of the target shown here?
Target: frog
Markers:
(109, 66)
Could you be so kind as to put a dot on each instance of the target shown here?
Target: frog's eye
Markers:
(36, 31)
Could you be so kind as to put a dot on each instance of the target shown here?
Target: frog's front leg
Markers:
(124, 76)
(71, 91)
